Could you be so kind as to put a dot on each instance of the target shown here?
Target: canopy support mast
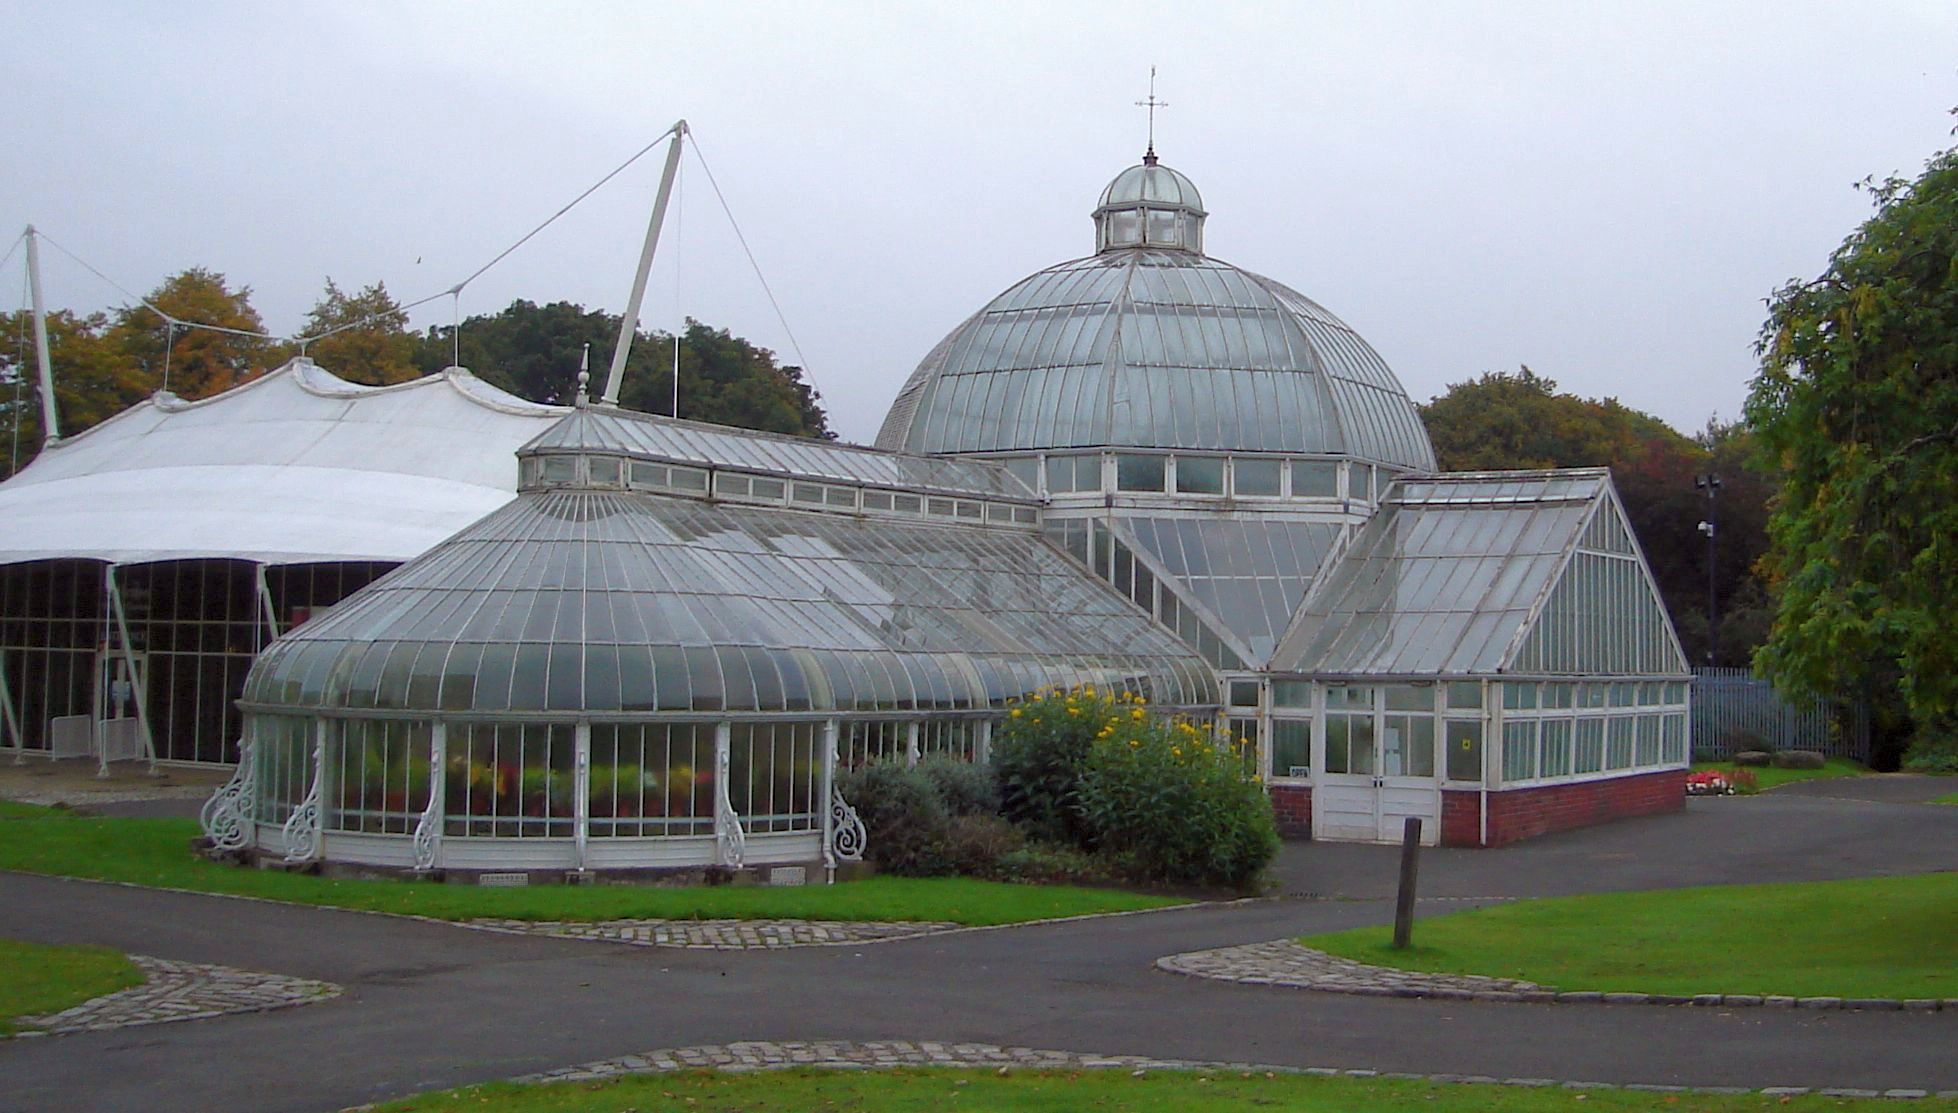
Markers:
(629, 324)
(50, 427)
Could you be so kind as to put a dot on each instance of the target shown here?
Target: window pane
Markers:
(1255, 477)
(1291, 693)
(1337, 735)
(1410, 697)
(1139, 473)
(1200, 475)
(1316, 479)
(1244, 693)
(1464, 694)
(1464, 739)
(1556, 747)
(1291, 748)
(1519, 751)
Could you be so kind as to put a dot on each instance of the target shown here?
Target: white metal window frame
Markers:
(1670, 703)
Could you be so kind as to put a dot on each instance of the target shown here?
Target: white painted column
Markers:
(581, 788)
(10, 718)
(829, 736)
(911, 742)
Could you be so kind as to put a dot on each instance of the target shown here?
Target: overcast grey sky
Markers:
(1603, 191)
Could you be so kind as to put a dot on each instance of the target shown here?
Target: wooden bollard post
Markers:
(1410, 864)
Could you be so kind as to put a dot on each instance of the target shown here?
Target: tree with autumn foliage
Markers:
(362, 337)
(193, 362)
(92, 381)
(1857, 403)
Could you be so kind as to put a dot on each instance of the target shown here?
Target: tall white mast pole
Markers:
(629, 325)
(50, 426)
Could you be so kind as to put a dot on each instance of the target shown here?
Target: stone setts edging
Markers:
(1284, 962)
(719, 935)
(854, 1055)
(174, 991)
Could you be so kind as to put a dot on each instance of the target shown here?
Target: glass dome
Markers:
(1154, 348)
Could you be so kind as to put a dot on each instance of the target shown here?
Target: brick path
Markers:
(182, 991)
(717, 935)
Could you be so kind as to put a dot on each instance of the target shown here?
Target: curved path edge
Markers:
(887, 1054)
(173, 991)
(1292, 965)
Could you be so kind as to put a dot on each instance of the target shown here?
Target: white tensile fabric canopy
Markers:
(293, 467)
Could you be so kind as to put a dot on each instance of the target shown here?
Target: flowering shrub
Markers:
(1162, 801)
(1708, 782)
(1038, 754)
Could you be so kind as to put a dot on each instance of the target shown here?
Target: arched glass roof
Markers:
(621, 602)
(1156, 348)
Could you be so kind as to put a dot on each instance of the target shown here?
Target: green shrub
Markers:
(1038, 754)
(976, 844)
(1931, 755)
(906, 828)
(1170, 802)
(964, 788)
(1053, 863)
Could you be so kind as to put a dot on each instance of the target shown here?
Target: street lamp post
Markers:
(1710, 483)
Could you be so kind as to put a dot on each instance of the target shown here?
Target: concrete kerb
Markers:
(753, 1056)
(1292, 965)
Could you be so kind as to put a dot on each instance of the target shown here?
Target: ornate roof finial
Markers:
(584, 378)
(1151, 103)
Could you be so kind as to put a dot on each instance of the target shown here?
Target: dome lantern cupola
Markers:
(1149, 205)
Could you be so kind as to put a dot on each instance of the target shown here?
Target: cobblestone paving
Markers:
(1283, 962)
(182, 991)
(718, 935)
(850, 1055)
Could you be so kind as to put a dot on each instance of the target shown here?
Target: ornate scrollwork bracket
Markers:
(226, 816)
(730, 840)
(847, 833)
(428, 834)
(302, 829)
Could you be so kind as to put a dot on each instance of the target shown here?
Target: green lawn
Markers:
(928, 1091)
(11, 810)
(156, 852)
(37, 979)
(1767, 776)
(1951, 798)
(1868, 937)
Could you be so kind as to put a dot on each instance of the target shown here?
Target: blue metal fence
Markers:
(1734, 710)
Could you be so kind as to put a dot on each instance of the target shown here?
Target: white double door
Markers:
(1375, 770)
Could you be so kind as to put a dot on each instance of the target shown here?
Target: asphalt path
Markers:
(432, 1005)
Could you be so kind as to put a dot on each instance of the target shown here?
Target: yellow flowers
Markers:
(1138, 714)
(1015, 713)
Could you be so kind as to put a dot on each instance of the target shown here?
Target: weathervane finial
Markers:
(1151, 103)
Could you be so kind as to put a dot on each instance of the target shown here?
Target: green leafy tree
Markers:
(364, 336)
(92, 381)
(194, 362)
(533, 351)
(1857, 403)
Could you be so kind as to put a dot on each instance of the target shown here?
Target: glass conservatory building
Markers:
(1246, 468)
(1145, 469)
(657, 656)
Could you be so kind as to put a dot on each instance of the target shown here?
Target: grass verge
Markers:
(1952, 798)
(1767, 776)
(156, 852)
(920, 1090)
(36, 978)
(1867, 937)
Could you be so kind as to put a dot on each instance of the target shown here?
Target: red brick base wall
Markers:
(1292, 805)
(1522, 813)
